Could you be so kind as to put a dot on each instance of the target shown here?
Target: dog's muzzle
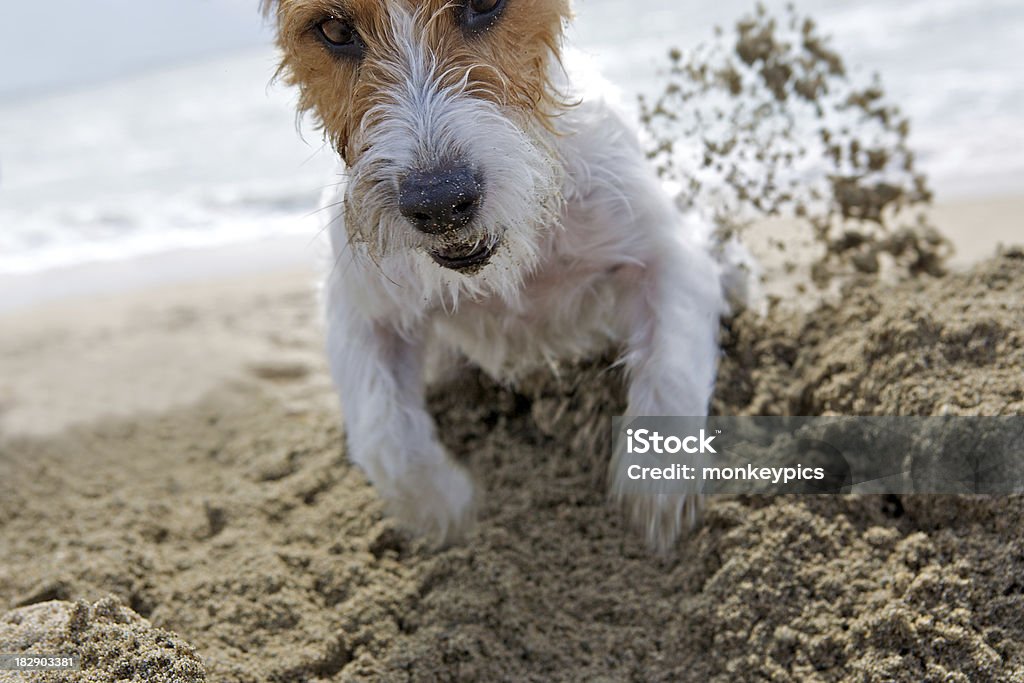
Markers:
(443, 201)
(463, 258)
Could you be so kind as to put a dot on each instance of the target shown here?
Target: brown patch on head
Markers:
(506, 63)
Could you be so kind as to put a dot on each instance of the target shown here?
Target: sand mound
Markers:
(114, 643)
(237, 524)
(953, 346)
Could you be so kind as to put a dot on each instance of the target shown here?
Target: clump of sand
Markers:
(237, 523)
(114, 643)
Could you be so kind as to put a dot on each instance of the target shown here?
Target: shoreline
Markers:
(24, 292)
(975, 225)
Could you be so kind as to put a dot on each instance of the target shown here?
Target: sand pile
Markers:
(113, 642)
(953, 346)
(236, 523)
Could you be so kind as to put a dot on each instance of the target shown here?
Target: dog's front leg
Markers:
(673, 306)
(379, 377)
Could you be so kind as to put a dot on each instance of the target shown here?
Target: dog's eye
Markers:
(340, 37)
(480, 14)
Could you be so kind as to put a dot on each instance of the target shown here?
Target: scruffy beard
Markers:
(520, 172)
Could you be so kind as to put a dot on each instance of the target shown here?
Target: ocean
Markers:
(207, 153)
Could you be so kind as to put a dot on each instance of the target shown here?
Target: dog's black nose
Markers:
(440, 199)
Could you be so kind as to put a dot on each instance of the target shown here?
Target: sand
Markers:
(180, 451)
(114, 643)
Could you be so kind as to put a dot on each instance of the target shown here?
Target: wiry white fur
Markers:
(419, 124)
(591, 252)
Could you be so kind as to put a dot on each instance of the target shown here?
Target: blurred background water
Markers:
(133, 128)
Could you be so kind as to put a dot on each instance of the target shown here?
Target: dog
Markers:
(495, 210)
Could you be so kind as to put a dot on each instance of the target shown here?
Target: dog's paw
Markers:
(436, 501)
(662, 518)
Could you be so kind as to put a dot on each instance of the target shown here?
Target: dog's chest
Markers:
(565, 312)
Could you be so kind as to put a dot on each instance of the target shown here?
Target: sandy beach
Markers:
(178, 448)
